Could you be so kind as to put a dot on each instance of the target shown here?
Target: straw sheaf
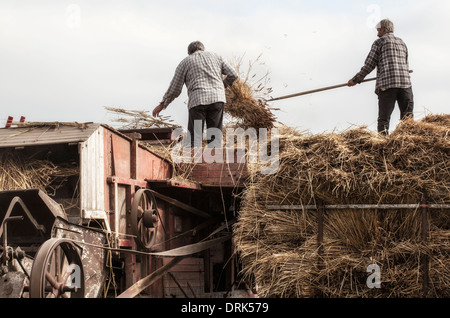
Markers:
(18, 174)
(139, 119)
(279, 249)
(245, 110)
(246, 100)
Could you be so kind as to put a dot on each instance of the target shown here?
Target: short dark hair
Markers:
(195, 46)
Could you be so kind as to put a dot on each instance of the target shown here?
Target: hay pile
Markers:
(17, 173)
(279, 249)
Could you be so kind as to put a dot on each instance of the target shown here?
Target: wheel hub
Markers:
(144, 218)
(149, 218)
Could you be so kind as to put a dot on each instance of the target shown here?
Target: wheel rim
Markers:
(57, 271)
(144, 218)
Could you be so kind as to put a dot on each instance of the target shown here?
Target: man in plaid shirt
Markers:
(389, 55)
(202, 72)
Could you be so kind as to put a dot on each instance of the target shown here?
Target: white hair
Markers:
(387, 25)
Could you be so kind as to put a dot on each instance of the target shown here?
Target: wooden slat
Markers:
(150, 279)
(181, 205)
(186, 279)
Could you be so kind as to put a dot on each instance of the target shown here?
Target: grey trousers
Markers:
(211, 114)
(386, 103)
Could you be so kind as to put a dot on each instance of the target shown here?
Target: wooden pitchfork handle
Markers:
(319, 90)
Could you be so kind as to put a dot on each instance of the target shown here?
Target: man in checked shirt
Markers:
(202, 72)
(389, 55)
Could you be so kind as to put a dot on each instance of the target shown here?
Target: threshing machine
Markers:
(118, 225)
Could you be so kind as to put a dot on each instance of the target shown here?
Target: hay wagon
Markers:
(111, 220)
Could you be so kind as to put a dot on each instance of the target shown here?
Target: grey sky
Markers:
(67, 60)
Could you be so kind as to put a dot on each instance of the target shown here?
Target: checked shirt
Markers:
(202, 72)
(389, 55)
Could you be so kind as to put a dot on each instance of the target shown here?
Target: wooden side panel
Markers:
(120, 156)
(152, 167)
(189, 275)
(231, 173)
(116, 163)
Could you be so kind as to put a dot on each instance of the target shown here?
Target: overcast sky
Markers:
(66, 60)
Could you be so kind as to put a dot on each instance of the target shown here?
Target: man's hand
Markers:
(158, 109)
(351, 83)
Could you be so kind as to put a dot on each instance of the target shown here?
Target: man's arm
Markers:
(174, 90)
(176, 85)
(369, 65)
(230, 72)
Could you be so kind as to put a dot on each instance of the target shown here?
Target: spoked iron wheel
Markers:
(144, 218)
(57, 271)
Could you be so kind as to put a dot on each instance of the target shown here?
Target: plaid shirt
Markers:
(389, 55)
(202, 73)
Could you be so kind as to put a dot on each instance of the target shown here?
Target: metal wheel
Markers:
(144, 218)
(57, 271)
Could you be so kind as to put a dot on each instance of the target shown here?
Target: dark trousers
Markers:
(386, 103)
(211, 114)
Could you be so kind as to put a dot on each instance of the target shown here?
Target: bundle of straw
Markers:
(245, 110)
(138, 119)
(17, 173)
(279, 249)
(246, 99)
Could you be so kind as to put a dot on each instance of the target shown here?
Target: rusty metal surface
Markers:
(45, 135)
(39, 212)
(144, 218)
(93, 258)
(11, 285)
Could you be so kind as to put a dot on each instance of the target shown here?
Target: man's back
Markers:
(202, 72)
(389, 55)
(205, 74)
(204, 77)
(392, 68)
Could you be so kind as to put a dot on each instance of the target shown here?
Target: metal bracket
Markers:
(13, 203)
